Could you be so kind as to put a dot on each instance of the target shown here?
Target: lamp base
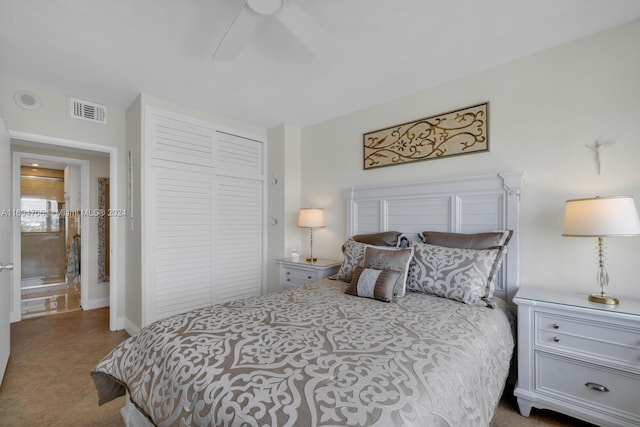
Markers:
(603, 299)
(312, 260)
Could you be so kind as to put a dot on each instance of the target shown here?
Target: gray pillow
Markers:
(394, 259)
(486, 240)
(386, 238)
(353, 256)
(371, 283)
(454, 273)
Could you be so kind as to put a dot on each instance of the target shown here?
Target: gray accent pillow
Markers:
(394, 259)
(454, 273)
(372, 283)
(353, 256)
(486, 240)
(386, 238)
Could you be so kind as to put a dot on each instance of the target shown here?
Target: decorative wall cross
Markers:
(597, 149)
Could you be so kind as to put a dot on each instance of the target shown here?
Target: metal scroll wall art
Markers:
(458, 132)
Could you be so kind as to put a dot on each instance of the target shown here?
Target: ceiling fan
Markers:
(287, 12)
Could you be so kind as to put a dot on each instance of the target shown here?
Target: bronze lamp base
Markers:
(603, 299)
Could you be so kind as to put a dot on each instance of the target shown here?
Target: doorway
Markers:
(71, 152)
(50, 193)
(50, 237)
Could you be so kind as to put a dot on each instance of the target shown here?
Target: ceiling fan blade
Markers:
(238, 34)
(305, 29)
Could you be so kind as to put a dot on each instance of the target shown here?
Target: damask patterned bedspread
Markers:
(314, 356)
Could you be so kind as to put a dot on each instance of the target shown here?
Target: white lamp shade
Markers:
(601, 216)
(311, 217)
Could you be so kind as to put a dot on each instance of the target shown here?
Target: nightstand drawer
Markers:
(295, 274)
(588, 383)
(289, 281)
(581, 336)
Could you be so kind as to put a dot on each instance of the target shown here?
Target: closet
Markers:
(202, 214)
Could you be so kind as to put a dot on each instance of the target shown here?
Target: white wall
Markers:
(275, 202)
(52, 120)
(284, 196)
(544, 109)
(133, 293)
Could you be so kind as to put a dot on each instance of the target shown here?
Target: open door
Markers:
(6, 220)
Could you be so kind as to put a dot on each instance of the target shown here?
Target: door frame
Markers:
(114, 269)
(16, 312)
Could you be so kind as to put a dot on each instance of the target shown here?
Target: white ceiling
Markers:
(108, 51)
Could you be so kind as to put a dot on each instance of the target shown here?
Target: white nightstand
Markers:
(578, 357)
(294, 273)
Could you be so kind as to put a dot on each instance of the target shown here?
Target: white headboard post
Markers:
(460, 205)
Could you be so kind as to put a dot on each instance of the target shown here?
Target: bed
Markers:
(316, 355)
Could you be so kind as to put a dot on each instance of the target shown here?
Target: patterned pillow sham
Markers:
(393, 259)
(353, 256)
(385, 238)
(487, 240)
(454, 273)
(372, 283)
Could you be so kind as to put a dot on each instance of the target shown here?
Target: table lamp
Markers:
(601, 217)
(311, 218)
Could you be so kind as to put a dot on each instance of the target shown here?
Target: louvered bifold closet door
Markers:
(178, 214)
(239, 217)
(205, 217)
(238, 236)
(181, 236)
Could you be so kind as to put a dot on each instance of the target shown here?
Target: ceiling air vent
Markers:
(89, 111)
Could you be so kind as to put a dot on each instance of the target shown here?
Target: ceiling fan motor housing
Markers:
(265, 7)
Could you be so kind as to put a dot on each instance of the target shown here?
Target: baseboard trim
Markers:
(97, 303)
(130, 327)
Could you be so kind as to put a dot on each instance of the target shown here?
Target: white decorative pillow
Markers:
(454, 273)
(394, 259)
(372, 283)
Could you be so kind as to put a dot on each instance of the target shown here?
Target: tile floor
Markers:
(42, 300)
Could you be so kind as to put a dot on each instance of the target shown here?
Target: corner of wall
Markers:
(133, 241)
(284, 195)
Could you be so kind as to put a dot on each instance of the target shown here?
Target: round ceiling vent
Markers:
(27, 100)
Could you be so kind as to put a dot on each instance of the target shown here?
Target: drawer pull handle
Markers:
(597, 387)
(555, 339)
(288, 280)
(308, 277)
(288, 272)
(555, 326)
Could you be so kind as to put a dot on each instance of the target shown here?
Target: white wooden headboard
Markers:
(461, 205)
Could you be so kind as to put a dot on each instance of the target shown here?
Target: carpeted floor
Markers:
(47, 382)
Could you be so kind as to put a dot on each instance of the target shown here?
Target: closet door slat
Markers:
(180, 139)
